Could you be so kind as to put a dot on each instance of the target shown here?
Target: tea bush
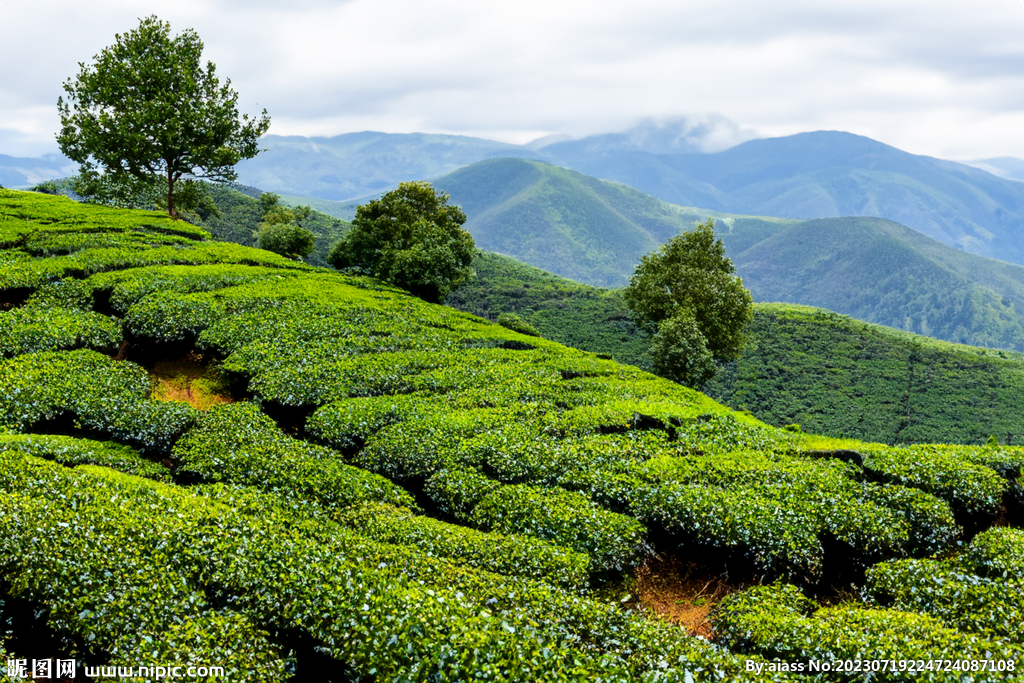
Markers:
(88, 391)
(614, 542)
(31, 329)
(778, 622)
(960, 599)
(71, 452)
(511, 555)
(377, 609)
(238, 444)
(974, 491)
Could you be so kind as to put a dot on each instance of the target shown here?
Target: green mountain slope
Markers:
(360, 164)
(574, 314)
(240, 216)
(839, 376)
(562, 221)
(595, 231)
(884, 272)
(823, 174)
(830, 373)
(392, 490)
(826, 174)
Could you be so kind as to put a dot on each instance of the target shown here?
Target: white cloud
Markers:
(941, 77)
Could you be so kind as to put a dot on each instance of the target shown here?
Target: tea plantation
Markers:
(405, 492)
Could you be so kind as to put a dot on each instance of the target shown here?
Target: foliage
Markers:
(842, 377)
(779, 623)
(147, 107)
(90, 392)
(238, 444)
(290, 525)
(568, 312)
(29, 329)
(277, 568)
(517, 324)
(286, 239)
(511, 555)
(690, 272)
(680, 351)
(72, 452)
(409, 237)
(279, 230)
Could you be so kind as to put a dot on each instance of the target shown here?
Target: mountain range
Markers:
(874, 269)
(824, 174)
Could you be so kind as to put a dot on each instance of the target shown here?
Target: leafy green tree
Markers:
(412, 238)
(147, 109)
(680, 352)
(688, 279)
(280, 232)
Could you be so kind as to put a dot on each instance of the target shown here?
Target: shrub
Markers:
(287, 239)
(993, 608)
(30, 329)
(456, 491)
(974, 491)
(91, 392)
(71, 452)
(778, 622)
(238, 444)
(516, 324)
(613, 541)
(511, 555)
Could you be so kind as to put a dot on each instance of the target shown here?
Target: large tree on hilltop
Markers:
(148, 113)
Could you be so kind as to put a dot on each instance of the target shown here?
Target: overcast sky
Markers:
(937, 77)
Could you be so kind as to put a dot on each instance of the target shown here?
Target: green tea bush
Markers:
(238, 444)
(30, 329)
(456, 491)
(169, 317)
(71, 452)
(511, 555)
(131, 603)
(778, 622)
(346, 425)
(93, 393)
(422, 448)
(67, 293)
(613, 541)
(378, 609)
(127, 287)
(33, 272)
(961, 599)
(996, 553)
(516, 324)
(933, 527)
(974, 491)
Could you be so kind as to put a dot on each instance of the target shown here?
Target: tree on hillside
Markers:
(689, 289)
(412, 238)
(147, 111)
(279, 230)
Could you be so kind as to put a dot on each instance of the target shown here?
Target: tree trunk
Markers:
(170, 194)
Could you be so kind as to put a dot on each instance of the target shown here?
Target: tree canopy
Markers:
(280, 232)
(147, 116)
(690, 282)
(410, 237)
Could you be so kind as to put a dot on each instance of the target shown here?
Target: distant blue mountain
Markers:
(826, 174)
(26, 171)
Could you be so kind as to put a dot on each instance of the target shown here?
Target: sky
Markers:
(938, 77)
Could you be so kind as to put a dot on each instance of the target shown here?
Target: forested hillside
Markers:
(392, 490)
(832, 374)
(835, 375)
(876, 270)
